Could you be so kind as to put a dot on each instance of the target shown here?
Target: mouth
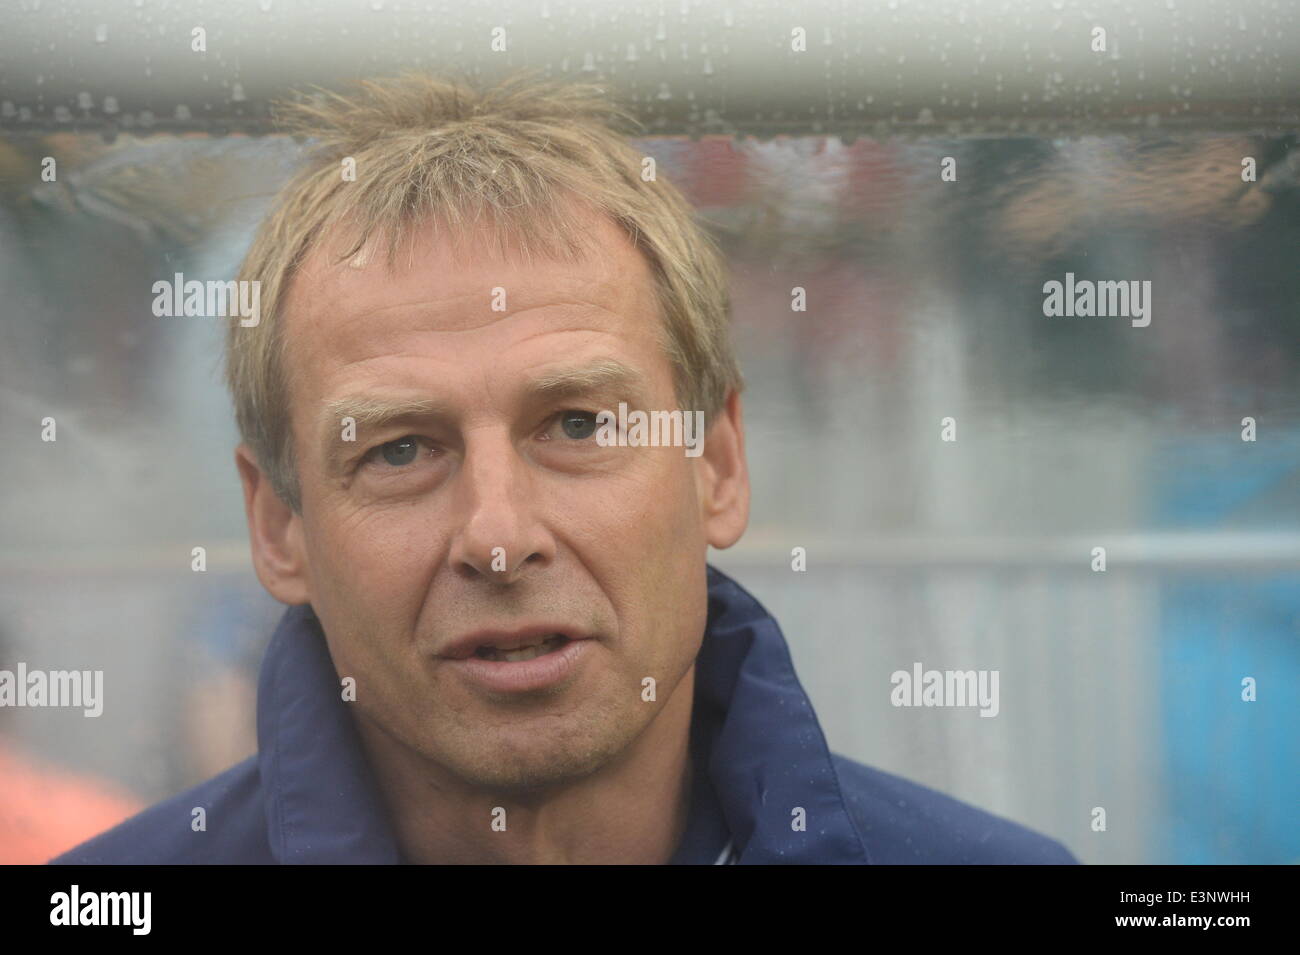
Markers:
(529, 660)
(548, 643)
(513, 644)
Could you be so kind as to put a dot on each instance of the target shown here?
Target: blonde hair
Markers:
(434, 149)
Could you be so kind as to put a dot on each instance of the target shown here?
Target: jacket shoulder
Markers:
(163, 835)
(904, 823)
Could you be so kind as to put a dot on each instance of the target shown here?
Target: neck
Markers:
(633, 810)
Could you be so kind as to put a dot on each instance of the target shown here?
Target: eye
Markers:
(401, 452)
(578, 424)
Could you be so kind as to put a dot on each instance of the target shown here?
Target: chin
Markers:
(530, 759)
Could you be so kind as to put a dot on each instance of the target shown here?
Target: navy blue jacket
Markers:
(308, 796)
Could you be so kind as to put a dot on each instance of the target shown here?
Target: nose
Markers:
(500, 535)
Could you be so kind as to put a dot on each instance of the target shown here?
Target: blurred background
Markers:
(1120, 689)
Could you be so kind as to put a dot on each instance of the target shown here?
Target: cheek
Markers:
(371, 568)
(642, 533)
(649, 552)
(675, 514)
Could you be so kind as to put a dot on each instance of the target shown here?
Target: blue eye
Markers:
(401, 452)
(578, 424)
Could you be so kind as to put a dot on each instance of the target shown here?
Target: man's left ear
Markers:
(722, 476)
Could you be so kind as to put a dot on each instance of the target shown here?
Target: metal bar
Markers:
(875, 68)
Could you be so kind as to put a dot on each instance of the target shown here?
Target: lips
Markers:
(520, 654)
(535, 658)
(512, 646)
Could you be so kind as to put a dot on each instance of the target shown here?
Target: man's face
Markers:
(484, 515)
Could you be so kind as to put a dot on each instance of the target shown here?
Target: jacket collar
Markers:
(767, 756)
(322, 803)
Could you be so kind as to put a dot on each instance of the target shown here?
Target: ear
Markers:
(722, 476)
(274, 533)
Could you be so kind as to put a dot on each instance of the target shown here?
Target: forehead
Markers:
(355, 324)
(453, 285)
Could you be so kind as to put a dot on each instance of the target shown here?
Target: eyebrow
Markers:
(372, 412)
(605, 373)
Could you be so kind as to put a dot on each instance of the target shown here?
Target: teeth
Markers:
(522, 653)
